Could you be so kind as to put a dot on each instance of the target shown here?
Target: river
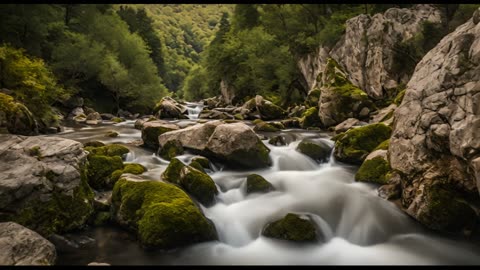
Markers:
(356, 226)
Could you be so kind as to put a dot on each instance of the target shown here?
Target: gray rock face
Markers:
(21, 246)
(42, 176)
(369, 61)
(436, 138)
(169, 108)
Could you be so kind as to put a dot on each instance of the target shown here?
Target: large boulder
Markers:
(235, 144)
(354, 145)
(151, 130)
(161, 214)
(375, 168)
(340, 99)
(317, 150)
(366, 49)
(192, 180)
(16, 117)
(21, 246)
(293, 228)
(258, 107)
(256, 183)
(102, 162)
(435, 143)
(168, 108)
(43, 184)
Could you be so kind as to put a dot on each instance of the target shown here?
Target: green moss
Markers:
(383, 146)
(133, 168)
(101, 218)
(35, 151)
(277, 140)
(111, 134)
(399, 98)
(238, 116)
(264, 126)
(197, 165)
(108, 150)
(313, 98)
(256, 183)
(355, 144)
(171, 149)
(278, 125)
(162, 215)
(310, 118)
(292, 228)
(94, 144)
(150, 135)
(446, 210)
(318, 151)
(117, 120)
(100, 168)
(60, 213)
(374, 170)
(270, 111)
(195, 182)
(203, 161)
(257, 121)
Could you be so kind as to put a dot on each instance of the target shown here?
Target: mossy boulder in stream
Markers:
(315, 149)
(133, 168)
(264, 126)
(151, 130)
(354, 145)
(375, 168)
(293, 228)
(170, 149)
(162, 215)
(102, 162)
(195, 182)
(48, 192)
(310, 118)
(256, 183)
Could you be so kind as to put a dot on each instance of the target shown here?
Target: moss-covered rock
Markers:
(203, 161)
(162, 215)
(277, 141)
(197, 166)
(18, 119)
(100, 168)
(256, 183)
(292, 228)
(171, 149)
(375, 170)
(384, 145)
(444, 209)
(94, 144)
(133, 168)
(313, 97)
(340, 99)
(354, 145)
(117, 120)
(310, 118)
(264, 126)
(270, 111)
(111, 134)
(399, 98)
(195, 182)
(101, 218)
(108, 150)
(239, 116)
(151, 130)
(316, 150)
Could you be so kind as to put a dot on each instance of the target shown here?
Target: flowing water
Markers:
(356, 226)
(194, 110)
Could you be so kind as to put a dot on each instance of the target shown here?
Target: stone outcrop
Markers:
(21, 246)
(168, 108)
(43, 183)
(435, 144)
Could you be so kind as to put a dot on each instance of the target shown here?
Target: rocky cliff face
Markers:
(365, 51)
(435, 145)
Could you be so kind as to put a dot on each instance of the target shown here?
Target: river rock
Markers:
(375, 168)
(194, 137)
(293, 228)
(102, 162)
(193, 181)
(16, 117)
(21, 246)
(264, 126)
(168, 219)
(354, 145)
(151, 130)
(383, 114)
(435, 143)
(168, 108)
(258, 107)
(170, 149)
(346, 125)
(317, 150)
(256, 183)
(107, 116)
(310, 118)
(43, 184)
